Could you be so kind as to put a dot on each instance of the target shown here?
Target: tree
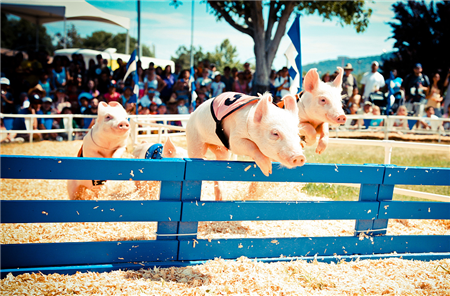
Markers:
(422, 36)
(184, 56)
(74, 39)
(224, 55)
(247, 17)
(101, 40)
(21, 35)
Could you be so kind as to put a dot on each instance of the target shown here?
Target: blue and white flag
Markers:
(131, 67)
(193, 93)
(294, 56)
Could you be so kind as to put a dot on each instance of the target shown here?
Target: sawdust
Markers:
(218, 277)
(247, 277)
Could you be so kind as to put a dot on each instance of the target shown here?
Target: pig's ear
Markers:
(312, 80)
(169, 148)
(338, 80)
(290, 103)
(262, 109)
(113, 104)
(101, 108)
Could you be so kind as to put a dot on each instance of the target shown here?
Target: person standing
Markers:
(371, 81)
(282, 83)
(415, 85)
(348, 82)
(227, 78)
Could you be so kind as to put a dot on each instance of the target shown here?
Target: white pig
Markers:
(319, 105)
(245, 125)
(169, 150)
(106, 139)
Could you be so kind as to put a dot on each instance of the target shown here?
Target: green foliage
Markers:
(74, 39)
(346, 12)
(101, 40)
(224, 55)
(183, 56)
(20, 34)
(422, 35)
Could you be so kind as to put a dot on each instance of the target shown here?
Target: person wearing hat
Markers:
(47, 123)
(348, 82)
(371, 81)
(416, 86)
(60, 100)
(38, 90)
(7, 99)
(217, 86)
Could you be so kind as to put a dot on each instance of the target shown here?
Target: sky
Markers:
(167, 28)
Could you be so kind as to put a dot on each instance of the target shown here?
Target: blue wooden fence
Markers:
(179, 210)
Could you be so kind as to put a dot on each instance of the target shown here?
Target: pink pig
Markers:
(319, 105)
(250, 126)
(169, 150)
(106, 139)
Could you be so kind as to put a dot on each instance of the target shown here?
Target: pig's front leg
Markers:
(323, 131)
(247, 147)
(118, 153)
(307, 132)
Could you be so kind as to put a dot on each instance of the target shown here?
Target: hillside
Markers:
(360, 65)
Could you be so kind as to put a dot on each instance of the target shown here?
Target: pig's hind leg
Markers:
(221, 153)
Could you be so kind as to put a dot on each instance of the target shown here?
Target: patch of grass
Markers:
(335, 192)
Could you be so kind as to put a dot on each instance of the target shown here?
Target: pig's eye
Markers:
(108, 117)
(322, 100)
(275, 134)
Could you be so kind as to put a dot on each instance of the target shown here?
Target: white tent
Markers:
(41, 12)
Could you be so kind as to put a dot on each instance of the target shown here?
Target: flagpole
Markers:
(139, 51)
(191, 63)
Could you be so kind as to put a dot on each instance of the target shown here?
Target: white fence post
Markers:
(69, 127)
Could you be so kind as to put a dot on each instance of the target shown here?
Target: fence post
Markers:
(134, 131)
(69, 127)
(387, 152)
(386, 128)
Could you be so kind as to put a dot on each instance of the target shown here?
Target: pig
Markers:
(106, 139)
(169, 150)
(147, 150)
(318, 106)
(245, 125)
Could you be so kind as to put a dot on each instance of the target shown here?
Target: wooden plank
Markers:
(385, 193)
(248, 172)
(273, 210)
(411, 244)
(417, 176)
(170, 191)
(272, 247)
(306, 246)
(53, 211)
(54, 254)
(367, 192)
(414, 210)
(44, 167)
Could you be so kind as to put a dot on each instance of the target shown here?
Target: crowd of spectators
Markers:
(416, 95)
(40, 84)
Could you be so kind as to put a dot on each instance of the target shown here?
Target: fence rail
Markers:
(180, 209)
(157, 125)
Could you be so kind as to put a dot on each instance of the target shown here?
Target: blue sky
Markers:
(167, 28)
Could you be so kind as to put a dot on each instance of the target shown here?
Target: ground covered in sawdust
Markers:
(218, 277)
(246, 277)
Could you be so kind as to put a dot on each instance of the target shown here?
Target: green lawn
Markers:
(350, 154)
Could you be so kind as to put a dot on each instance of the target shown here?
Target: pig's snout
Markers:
(298, 160)
(124, 125)
(341, 119)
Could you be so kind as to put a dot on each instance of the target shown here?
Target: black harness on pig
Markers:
(94, 182)
(224, 105)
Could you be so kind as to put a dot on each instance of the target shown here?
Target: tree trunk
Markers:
(261, 76)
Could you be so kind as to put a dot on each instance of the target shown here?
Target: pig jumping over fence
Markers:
(246, 125)
(318, 106)
(106, 139)
(147, 150)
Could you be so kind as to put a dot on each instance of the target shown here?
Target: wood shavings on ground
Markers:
(218, 277)
(247, 277)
